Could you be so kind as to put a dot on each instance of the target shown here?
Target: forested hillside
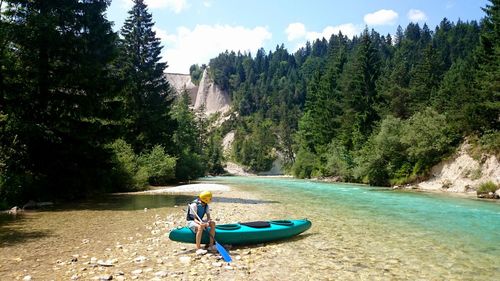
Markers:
(378, 109)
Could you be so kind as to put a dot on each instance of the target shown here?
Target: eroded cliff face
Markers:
(462, 173)
(183, 81)
(206, 95)
(211, 97)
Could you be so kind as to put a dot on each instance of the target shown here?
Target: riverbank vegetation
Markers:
(84, 109)
(378, 109)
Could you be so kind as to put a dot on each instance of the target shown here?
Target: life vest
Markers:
(200, 210)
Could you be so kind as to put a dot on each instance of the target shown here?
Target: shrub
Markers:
(157, 165)
(487, 187)
(126, 172)
(427, 136)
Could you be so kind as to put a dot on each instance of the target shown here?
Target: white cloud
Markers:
(175, 6)
(381, 17)
(186, 47)
(295, 31)
(416, 15)
(207, 3)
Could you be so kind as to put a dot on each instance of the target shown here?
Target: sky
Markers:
(194, 31)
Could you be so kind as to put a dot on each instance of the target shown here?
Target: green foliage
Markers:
(383, 155)
(127, 173)
(159, 166)
(339, 162)
(490, 143)
(254, 145)
(487, 187)
(196, 72)
(188, 140)
(146, 91)
(305, 164)
(427, 136)
(215, 155)
(135, 172)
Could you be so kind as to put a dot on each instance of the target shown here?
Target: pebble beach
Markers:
(143, 251)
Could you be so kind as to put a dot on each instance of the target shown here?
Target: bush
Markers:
(126, 173)
(490, 143)
(132, 172)
(427, 136)
(158, 166)
(487, 187)
(304, 165)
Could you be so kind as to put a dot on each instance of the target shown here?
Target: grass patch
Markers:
(487, 187)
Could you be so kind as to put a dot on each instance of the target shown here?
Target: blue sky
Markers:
(194, 31)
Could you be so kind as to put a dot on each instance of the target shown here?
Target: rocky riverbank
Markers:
(145, 252)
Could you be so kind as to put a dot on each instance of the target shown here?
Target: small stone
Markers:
(228, 267)
(217, 264)
(27, 278)
(75, 277)
(105, 263)
(93, 260)
(140, 259)
(161, 274)
(103, 277)
(145, 209)
(238, 257)
(137, 272)
(185, 260)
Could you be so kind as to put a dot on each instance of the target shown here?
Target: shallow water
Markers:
(358, 233)
(362, 232)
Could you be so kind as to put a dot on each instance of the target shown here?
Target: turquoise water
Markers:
(447, 236)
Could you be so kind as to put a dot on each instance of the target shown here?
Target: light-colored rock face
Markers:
(462, 173)
(211, 97)
(183, 81)
(206, 95)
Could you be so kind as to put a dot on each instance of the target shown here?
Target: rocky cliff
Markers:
(206, 95)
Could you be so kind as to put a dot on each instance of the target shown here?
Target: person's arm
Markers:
(208, 213)
(193, 210)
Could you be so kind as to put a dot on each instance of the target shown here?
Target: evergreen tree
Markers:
(147, 92)
(360, 94)
(487, 109)
(59, 97)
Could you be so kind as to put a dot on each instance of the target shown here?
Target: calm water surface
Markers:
(377, 232)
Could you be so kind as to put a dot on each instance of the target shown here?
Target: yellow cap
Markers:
(206, 197)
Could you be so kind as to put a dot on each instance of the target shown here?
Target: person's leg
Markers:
(212, 232)
(199, 234)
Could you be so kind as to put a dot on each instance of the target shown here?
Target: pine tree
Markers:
(487, 111)
(359, 93)
(60, 100)
(147, 91)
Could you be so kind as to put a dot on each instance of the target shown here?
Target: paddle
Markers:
(225, 255)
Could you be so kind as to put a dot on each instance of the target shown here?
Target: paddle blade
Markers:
(225, 255)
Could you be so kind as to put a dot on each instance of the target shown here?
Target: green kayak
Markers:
(246, 233)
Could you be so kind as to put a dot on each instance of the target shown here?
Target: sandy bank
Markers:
(188, 188)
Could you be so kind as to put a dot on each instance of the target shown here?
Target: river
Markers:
(358, 233)
(382, 233)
